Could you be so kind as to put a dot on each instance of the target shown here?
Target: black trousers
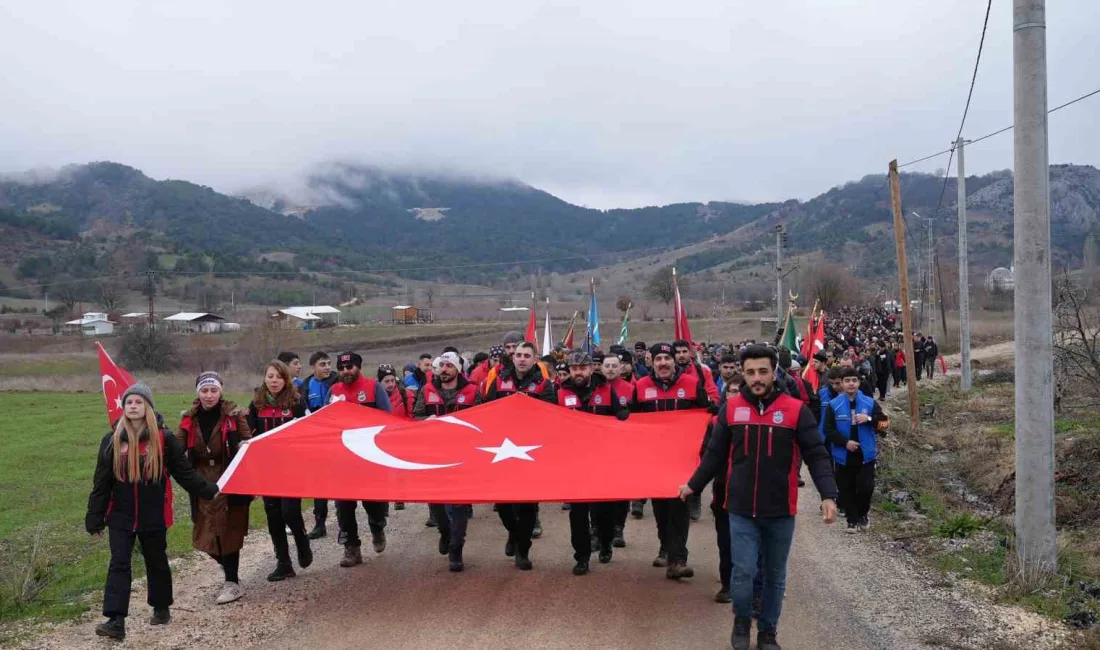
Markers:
(320, 511)
(603, 515)
(116, 594)
(920, 365)
(673, 521)
(899, 375)
(622, 510)
(519, 521)
(883, 380)
(377, 511)
(282, 514)
(857, 485)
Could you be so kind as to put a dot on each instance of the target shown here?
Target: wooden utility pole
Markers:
(906, 312)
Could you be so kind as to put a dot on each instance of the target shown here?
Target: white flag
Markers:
(547, 338)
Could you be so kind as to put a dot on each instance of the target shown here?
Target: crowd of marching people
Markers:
(772, 410)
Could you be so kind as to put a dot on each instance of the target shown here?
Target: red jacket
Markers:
(692, 370)
(401, 402)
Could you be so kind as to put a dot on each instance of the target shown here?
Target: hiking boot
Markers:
(661, 560)
(455, 557)
(352, 557)
(510, 547)
(637, 509)
(765, 640)
(523, 563)
(444, 543)
(536, 532)
(580, 568)
(723, 596)
(378, 540)
(594, 543)
(742, 628)
(231, 591)
(161, 616)
(114, 628)
(677, 570)
(282, 571)
(605, 555)
(851, 529)
(618, 541)
(305, 555)
(864, 524)
(318, 531)
(399, 505)
(431, 522)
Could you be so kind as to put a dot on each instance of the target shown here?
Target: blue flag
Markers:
(592, 330)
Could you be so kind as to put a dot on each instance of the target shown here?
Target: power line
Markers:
(1000, 131)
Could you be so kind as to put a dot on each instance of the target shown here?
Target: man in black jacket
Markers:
(756, 441)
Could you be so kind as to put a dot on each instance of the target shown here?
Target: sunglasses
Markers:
(344, 367)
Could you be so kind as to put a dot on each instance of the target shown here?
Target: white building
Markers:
(195, 322)
(308, 316)
(93, 323)
(1001, 279)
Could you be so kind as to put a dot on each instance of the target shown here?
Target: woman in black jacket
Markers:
(132, 497)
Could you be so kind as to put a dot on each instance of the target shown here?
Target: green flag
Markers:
(789, 334)
(624, 333)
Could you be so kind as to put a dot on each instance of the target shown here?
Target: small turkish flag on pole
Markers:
(115, 381)
(531, 335)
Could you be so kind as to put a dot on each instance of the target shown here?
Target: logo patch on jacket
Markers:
(651, 393)
(507, 385)
(597, 399)
(623, 401)
(681, 393)
(777, 417)
(571, 400)
(742, 414)
(461, 399)
(433, 398)
(362, 396)
(286, 413)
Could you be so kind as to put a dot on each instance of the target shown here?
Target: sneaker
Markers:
(455, 557)
(113, 628)
(723, 596)
(580, 568)
(677, 570)
(318, 531)
(851, 529)
(605, 556)
(510, 547)
(342, 537)
(282, 571)
(661, 560)
(618, 541)
(352, 557)
(523, 563)
(444, 543)
(305, 556)
(864, 524)
(536, 532)
(742, 628)
(765, 640)
(378, 541)
(230, 591)
(399, 505)
(161, 616)
(637, 509)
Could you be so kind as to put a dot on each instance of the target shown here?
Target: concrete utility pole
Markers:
(964, 274)
(906, 308)
(1036, 537)
(779, 302)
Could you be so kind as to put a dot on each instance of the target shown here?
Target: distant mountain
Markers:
(451, 227)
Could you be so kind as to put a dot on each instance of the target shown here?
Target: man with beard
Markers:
(448, 391)
(670, 389)
(756, 442)
(591, 393)
(685, 361)
(642, 362)
(522, 375)
(626, 366)
(355, 388)
(315, 394)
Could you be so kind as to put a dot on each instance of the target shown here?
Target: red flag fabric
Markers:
(807, 349)
(567, 342)
(682, 328)
(509, 450)
(531, 335)
(115, 381)
(818, 345)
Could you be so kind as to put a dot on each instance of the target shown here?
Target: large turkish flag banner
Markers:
(513, 449)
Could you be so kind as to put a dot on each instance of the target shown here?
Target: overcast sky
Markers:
(603, 103)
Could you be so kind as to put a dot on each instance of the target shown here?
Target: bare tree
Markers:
(833, 286)
(429, 294)
(660, 285)
(1076, 345)
(110, 295)
(623, 303)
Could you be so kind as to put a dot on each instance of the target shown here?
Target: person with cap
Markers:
(480, 369)
(642, 361)
(211, 432)
(561, 373)
(355, 388)
(685, 360)
(670, 389)
(315, 395)
(275, 403)
(130, 497)
(754, 443)
(448, 392)
(401, 400)
(520, 376)
(626, 366)
(590, 393)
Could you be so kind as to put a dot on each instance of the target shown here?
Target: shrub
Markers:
(148, 349)
(959, 526)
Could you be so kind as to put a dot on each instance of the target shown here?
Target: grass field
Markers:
(48, 564)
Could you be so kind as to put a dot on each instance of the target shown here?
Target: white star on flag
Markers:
(509, 449)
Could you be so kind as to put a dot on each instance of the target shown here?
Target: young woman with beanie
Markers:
(132, 497)
(211, 432)
(275, 403)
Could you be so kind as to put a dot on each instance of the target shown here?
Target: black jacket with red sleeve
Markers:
(757, 444)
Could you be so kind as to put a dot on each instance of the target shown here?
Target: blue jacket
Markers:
(839, 421)
(410, 382)
(316, 393)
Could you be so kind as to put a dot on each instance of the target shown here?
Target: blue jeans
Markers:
(451, 520)
(755, 540)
